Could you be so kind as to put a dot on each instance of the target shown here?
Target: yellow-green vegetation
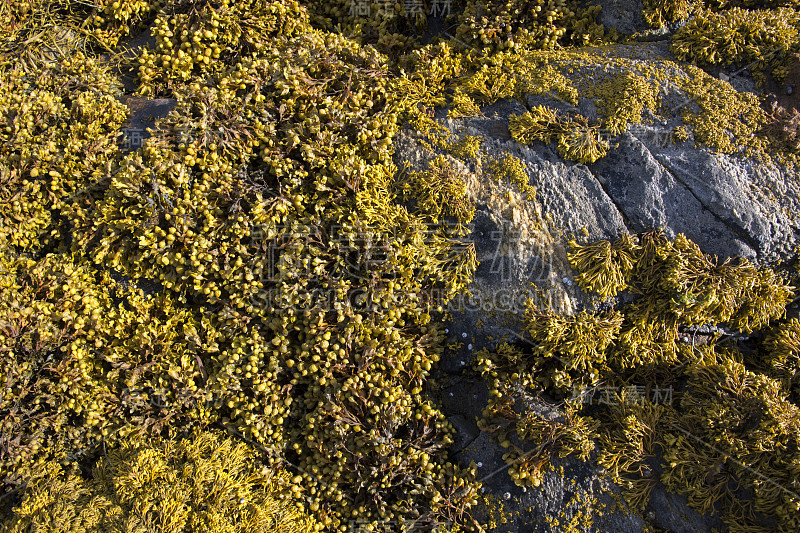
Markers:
(577, 140)
(629, 440)
(206, 483)
(392, 27)
(603, 267)
(783, 360)
(519, 24)
(261, 265)
(760, 39)
(43, 30)
(440, 192)
(206, 39)
(712, 420)
(47, 189)
(511, 169)
(727, 119)
(657, 13)
(625, 90)
(622, 99)
(251, 266)
(87, 360)
(782, 130)
(543, 435)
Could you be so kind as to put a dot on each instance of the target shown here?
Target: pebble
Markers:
(464, 335)
(469, 346)
(480, 464)
(789, 90)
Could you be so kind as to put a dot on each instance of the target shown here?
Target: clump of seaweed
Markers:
(291, 296)
(728, 412)
(733, 419)
(603, 267)
(782, 354)
(630, 437)
(728, 120)
(760, 39)
(511, 169)
(657, 13)
(541, 24)
(58, 126)
(202, 484)
(440, 191)
(533, 439)
(577, 140)
(392, 27)
(201, 41)
(623, 98)
(782, 128)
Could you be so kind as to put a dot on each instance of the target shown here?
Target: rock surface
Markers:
(729, 205)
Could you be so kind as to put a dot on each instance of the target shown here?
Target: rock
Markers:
(649, 196)
(625, 16)
(736, 192)
(466, 432)
(728, 205)
(144, 113)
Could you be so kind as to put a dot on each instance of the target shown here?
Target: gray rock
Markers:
(649, 196)
(730, 189)
(144, 113)
(623, 15)
(729, 205)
